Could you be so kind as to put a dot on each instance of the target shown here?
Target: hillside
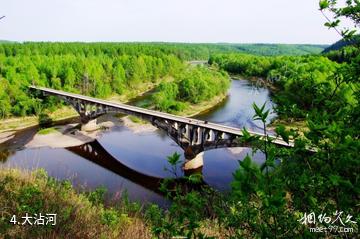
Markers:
(279, 49)
(342, 43)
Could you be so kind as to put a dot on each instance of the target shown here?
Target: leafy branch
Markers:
(351, 11)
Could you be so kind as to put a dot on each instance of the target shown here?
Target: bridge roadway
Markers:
(165, 116)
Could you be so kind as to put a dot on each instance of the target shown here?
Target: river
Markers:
(133, 162)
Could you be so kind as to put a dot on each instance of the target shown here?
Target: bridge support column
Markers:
(89, 126)
(196, 162)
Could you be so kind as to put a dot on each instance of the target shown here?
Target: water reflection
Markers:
(95, 153)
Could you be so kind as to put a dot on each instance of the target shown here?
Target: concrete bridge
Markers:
(192, 135)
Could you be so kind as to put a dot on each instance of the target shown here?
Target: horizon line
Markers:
(169, 42)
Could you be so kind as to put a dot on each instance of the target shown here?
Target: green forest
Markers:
(106, 69)
(298, 79)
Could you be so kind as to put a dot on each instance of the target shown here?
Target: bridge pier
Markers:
(193, 159)
(91, 125)
(194, 163)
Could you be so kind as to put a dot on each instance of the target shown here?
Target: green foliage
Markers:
(44, 120)
(136, 119)
(200, 84)
(349, 10)
(99, 70)
(278, 49)
(185, 214)
(260, 113)
(195, 85)
(103, 69)
(165, 97)
(97, 196)
(23, 193)
(110, 217)
(303, 84)
(47, 131)
(30, 199)
(326, 95)
(268, 200)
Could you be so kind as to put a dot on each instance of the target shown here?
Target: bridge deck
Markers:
(186, 120)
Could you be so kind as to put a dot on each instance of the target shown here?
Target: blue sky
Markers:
(237, 21)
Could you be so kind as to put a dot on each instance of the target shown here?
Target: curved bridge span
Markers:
(192, 135)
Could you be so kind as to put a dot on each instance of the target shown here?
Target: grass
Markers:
(289, 124)
(78, 215)
(137, 120)
(47, 131)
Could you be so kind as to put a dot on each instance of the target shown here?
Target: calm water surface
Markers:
(126, 161)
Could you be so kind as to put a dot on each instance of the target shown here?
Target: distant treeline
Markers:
(304, 83)
(184, 51)
(104, 69)
(279, 49)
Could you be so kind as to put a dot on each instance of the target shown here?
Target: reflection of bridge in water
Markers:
(192, 135)
(96, 153)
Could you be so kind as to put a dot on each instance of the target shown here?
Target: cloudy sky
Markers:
(237, 21)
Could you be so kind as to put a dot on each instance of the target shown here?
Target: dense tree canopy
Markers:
(303, 83)
(104, 69)
(87, 69)
(194, 85)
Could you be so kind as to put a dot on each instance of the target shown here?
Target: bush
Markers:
(44, 120)
(76, 214)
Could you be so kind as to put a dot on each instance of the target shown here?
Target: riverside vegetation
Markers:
(266, 201)
(107, 69)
